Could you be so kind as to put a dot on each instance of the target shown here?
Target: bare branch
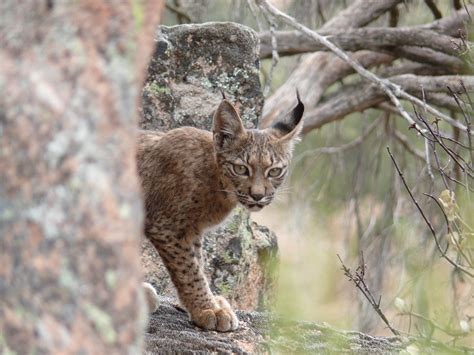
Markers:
(394, 17)
(464, 108)
(453, 25)
(428, 223)
(405, 143)
(358, 279)
(446, 101)
(448, 227)
(426, 56)
(342, 148)
(361, 97)
(317, 71)
(371, 38)
(361, 13)
(274, 54)
(451, 332)
(393, 91)
(434, 9)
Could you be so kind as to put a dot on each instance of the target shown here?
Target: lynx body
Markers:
(192, 179)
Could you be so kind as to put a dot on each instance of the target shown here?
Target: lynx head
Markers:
(255, 161)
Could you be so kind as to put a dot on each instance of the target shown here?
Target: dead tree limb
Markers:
(434, 9)
(371, 38)
(426, 56)
(360, 97)
(393, 91)
(317, 71)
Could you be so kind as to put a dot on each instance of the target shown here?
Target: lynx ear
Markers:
(227, 124)
(289, 126)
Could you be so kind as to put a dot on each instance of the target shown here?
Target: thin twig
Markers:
(428, 160)
(440, 169)
(450, 152)
(359, 281)
(275, 56)
(454, 333)
(467, 118)
(253, 9)
(389, 108)
(428, 223)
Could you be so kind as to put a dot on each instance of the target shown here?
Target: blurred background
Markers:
(375, 224)
(344, 197)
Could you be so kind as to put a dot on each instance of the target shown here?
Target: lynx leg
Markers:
(182, 262)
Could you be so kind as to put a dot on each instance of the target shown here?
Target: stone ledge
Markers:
(170, 331)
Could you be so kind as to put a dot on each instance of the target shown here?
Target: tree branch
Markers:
(393, 91)
(359, 97)
(434, 9)
(317, 71)
(371, 38)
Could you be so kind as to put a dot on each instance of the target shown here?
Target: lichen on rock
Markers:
(191, 64)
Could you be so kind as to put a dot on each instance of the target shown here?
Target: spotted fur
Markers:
(192, 179)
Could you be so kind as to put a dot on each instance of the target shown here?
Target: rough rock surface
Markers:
(70, 212)
(171, 331)
(191, 63)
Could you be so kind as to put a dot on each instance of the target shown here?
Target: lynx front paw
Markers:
(222, 319)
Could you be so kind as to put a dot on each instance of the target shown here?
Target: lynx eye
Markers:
(240, 169)
(274, 172)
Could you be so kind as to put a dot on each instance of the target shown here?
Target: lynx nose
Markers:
(257, 197)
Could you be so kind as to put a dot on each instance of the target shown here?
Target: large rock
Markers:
(70, 209)
(190, 65)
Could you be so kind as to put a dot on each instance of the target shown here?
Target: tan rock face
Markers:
(190, 65)
(70, 213)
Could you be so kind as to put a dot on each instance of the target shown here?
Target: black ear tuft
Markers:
(291, 120)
